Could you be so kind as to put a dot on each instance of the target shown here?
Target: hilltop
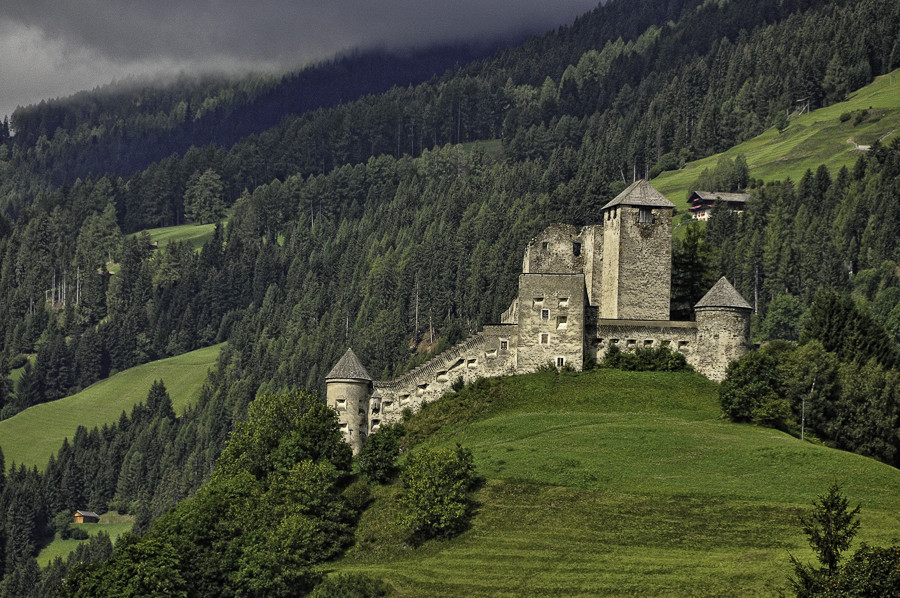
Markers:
(617, 483)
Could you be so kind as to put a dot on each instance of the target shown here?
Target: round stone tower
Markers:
(348, 387)
(723, 330)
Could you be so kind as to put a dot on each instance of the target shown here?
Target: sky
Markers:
(52, 49)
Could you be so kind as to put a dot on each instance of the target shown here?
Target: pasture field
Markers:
(30, 437)
(112, 523)
(610, 483)
(811, 139)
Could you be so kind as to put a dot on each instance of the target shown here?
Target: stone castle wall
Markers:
(489, 353)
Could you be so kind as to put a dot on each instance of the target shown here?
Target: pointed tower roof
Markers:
(640, 193)
(722, 294)
(349, 367)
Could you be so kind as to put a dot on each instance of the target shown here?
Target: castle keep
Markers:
(580, 292)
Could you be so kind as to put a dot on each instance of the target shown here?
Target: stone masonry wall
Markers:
(489, 353)
(551, 321)
(632, 334)
(722, 337)
(558, 249)
(645, 264)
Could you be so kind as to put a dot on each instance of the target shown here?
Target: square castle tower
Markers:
(580, 292)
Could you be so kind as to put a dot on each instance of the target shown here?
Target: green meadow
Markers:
(30, 437)
(112, 523)
(195, 234)
(610, 483)
(811, 139)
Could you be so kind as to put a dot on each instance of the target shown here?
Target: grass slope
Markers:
(196, 234)
(612, 483)
(30, 437)
(818, 137)
(112, 523)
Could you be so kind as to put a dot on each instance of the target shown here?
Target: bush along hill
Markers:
(369, 224)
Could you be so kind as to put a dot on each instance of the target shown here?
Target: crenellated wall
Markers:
(489, 353)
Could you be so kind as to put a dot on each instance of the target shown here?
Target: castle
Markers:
(580, 292)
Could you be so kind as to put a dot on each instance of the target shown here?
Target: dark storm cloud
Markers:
(50, 48)
(275, 30)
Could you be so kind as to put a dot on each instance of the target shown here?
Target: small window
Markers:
(631, 342)
(562, 322)
(560, 362)
(537, 302)
(544, 245)
(576, 249)
(545, 314)
(648, 343)
(491, 354)
(545, 338)
(504, 345)
(564, 302)
(645, 216)
(472, 363)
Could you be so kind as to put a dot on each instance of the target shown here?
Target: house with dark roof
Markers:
(702, 202)
(86, 517)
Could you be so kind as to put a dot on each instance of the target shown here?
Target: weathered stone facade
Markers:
(580, 292)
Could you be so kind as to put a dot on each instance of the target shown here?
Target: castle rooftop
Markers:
(722, 294)
(349, 367)
(640, 193)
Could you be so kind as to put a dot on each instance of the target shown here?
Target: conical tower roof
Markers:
(640, 193)
(349, 367)
(722, 294)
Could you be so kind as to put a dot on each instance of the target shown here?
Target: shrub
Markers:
(378, 458)
(659, 359)
(78, 533)
(437, 483)
(845, 117)
(752, 391)
(358, 495)
(350, 585)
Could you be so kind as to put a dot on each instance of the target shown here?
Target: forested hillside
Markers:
(382, 223)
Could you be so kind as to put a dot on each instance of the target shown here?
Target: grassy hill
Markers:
(112, 523)
(610, 483)
(195, 234)
(30, 437)
(818, 137)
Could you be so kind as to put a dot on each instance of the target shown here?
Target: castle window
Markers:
(387, 404)
(576, 249)
(564, 302)
(544, 245)
(545, 338)
(545, 314)
(666, 343)
(504, 344)
(648, 343)
(560, 362)
(491, 354)
(343, 427)
(645, 216)
(614, 341)
(537, 302)
(631, 342)
(375, 423)
(562, 322)
(471, 363)
(682, 345)
(341, 404)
